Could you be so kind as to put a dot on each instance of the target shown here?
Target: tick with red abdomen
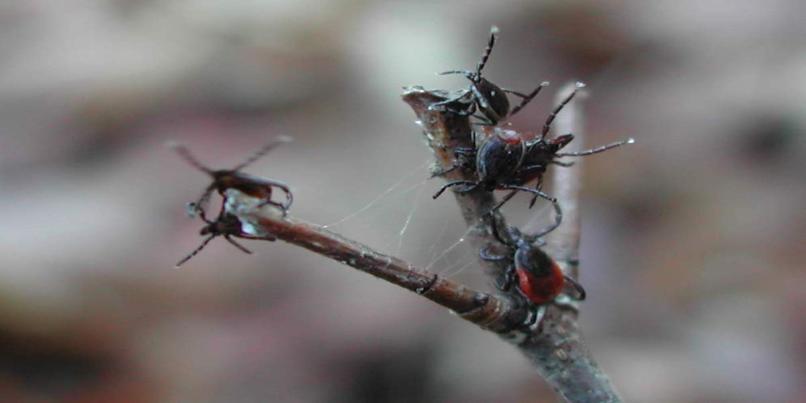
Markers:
(506, 159)
(538, 277)
(254, 186)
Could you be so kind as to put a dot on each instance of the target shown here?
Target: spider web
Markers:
(403, 220)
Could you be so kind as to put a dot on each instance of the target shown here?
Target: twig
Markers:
(563, 243)
(491, 312)
(556, 350)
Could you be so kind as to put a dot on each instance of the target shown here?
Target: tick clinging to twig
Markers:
(509, 159)
(251, 185)
(539, 278)
(226, 225)
(483, 95)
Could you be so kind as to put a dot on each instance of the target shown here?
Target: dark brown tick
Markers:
(254, 186)
(483, 95)
(226, 225)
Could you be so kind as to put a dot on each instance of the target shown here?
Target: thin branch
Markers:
(559, 352)
(563, 243)
(491, 312)
(556, 349)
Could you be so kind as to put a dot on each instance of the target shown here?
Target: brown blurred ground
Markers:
(693, 240)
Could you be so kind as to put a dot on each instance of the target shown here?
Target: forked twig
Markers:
(556, 349)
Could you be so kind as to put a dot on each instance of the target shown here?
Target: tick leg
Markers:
(461, 112)
(187, 156)
(581, 294)
(535, 319)
(273, 203)
(462, 72)
(270, 184)
(268, 237)
(489, 49)
(553, 114)
(508, 241)
(237, 245)
(196, 251)
(532, 169)
(463, 156)
(201, 202)
(485, 255)
(597, 149)
(503, 201)
(530, 190)
(455, 183)
(557, 209)
(539, 188)
(535, 315)
(262, 151)
(203, 214)
(289, 197)
(526, 98)
(442, 105)
(516, 188)
(562, 164)
(558, 219)
(509, 279)
(515, 93)
(484, 104)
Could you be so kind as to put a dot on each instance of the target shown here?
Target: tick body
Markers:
(226, 225)
(499, 157)
(254, 186)
(538, 277)
(484, 96)
(509, 159)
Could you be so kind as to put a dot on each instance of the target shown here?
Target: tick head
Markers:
(206, 230)
(559, 142)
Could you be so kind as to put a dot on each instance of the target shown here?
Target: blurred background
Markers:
(693, 238)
